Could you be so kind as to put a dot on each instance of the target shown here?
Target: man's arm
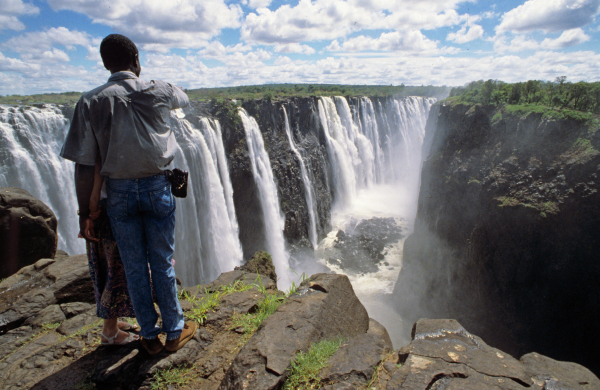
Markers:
(180, 98)
(84, 184)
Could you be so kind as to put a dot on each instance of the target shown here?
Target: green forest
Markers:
(558, 94)
(254, 92)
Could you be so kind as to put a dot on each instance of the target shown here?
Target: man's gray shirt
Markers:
(126, 120)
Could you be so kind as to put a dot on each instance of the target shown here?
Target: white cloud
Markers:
(466, 34)
(10, 10)
(159, 25)
(408, 41)
(332, 19)
(256, 3)
(567, 39)
(8, 64)
(520, 43)
(549, 15)
(39, 46)
(294, 48)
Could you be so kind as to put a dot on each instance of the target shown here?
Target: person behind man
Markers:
(126, 121)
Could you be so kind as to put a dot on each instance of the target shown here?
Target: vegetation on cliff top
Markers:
(252, 92)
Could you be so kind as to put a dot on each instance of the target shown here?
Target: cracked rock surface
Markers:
(444, 356)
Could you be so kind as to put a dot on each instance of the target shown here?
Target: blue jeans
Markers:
(142, 217)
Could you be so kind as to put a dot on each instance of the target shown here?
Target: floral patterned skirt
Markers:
(108, 274)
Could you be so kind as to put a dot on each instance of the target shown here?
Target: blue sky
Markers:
(52, 45)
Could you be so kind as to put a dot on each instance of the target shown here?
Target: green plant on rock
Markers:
(507, 201)
(201, 306)
(305, 366)
(250, 322)
(171, 377)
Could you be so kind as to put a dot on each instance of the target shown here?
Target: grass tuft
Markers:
(171, 377)
(305, 367)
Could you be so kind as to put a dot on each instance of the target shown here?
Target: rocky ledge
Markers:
(50, 339)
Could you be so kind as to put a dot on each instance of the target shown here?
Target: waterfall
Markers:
(30, 142)
(308, 190)
(373, 144)
(273, 218)
(207, 236)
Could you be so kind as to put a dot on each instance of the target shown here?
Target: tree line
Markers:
(560, 93)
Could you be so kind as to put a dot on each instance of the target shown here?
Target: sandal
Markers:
(111, 340)
(126, 326)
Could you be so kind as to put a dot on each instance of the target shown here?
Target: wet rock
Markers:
(361, 246)
(326, 307)
(27, 230)
(505, 237)
(551, 374)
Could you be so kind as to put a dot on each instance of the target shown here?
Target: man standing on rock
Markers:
(126, 122)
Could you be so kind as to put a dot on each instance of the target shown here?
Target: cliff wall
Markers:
(506, 236)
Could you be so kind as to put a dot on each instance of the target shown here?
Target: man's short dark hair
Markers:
(117, 52)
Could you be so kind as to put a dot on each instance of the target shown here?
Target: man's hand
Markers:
(86, 229)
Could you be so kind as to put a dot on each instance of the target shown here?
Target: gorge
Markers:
(505, 238)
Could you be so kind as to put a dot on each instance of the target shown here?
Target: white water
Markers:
(379, 146)
(207, 236)
(272, 217)
(308, 189)
(206, 233)
(30, 142)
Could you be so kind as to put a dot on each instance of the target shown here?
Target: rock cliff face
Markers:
(307, 131)
(506, 237)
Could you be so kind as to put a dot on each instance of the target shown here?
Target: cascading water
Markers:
(30, 142)
(308, 190)
(207, 230)
(272, 216)
(374, 149)
(207, 240)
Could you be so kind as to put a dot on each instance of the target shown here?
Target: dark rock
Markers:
(48, 315)
(325, 308)
(443, 355)
(74, 308)
(355, 362)
(380, 331)
(27, 230)
(261, 263)
(505, 238)
(361, 246)
(74, 324)
(558, 375)
(30, 290)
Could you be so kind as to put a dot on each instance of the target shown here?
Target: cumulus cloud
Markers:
(410, 41)
(549, 15)
(10, 10)
(466, 34)
(256, 3)
(40, 45)
(158, 25)
(331, 19)
(520, 43)
(294, 48)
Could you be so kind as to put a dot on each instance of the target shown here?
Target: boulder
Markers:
(261, 263)
(27, 230)
(443, 355)
(45, 283)
(354, 363)
(324, 308)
